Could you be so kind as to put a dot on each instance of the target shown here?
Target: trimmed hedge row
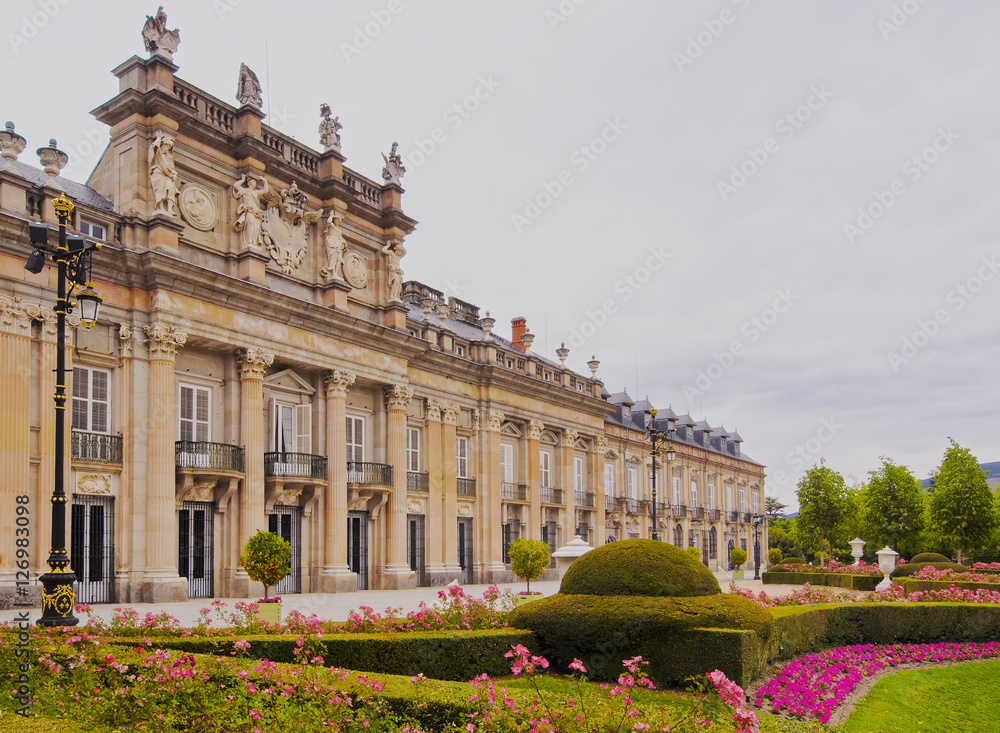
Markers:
(443, 655)
(911, 585)
(910, 568)
(835, 580)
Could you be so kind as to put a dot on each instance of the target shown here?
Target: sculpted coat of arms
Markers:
(285, 226)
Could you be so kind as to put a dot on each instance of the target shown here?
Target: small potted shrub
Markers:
(738, 556)
(528, 560)
(267, 559)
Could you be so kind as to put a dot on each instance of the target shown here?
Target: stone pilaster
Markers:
(434, 518)
(449, 429)
(124, 522)
(535, 428)
(160, 582)
(397, 573)
(597, 471)
(253, 363)
(566, 453)
(336, 576)
(491, 509)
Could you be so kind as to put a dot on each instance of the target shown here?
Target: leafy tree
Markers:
(773, 508)
(781, 535)
(738, 556)
(267, 558)
(893, 506)
(962, 503)
(822, 503)
(774, 555)
(528, 558)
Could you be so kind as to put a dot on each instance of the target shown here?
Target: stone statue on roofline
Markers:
(248, 91)
(250, 213)
(394, 252)
(393, 170)
(163, 177)
(329, 130)
(157, 39)
(336, 247)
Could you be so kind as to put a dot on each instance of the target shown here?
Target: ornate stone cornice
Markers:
(535, 428)
(337, 382)
(397, 396)
(125, 341)
(163, 341)
(15, 317)
(569, 438)
(451, 412)
(494, 420)
(434, 408)
(253, 362)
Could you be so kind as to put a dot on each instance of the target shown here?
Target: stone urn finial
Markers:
(11, 144)
(593, 364)
(562, 352)
(52, 158)
(527, 338)
(487, 323)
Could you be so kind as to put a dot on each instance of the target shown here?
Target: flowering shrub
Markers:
(814, 685)
(809, 595)
(986, 566)
(929, 572)
(862, 568)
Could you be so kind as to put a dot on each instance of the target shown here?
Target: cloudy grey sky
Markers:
(774, 214)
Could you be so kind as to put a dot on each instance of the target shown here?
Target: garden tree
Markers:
(738, 556)
(773, 508)
(266, 557)
(962, 503)
(528, 558)
(774, 555)
(893, 505)
(780, 534)
(823, 502)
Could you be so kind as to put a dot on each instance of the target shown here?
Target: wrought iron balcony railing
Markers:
(697, 512)
(210, 456)
(680, 511)
(295, 465)
(584, 498)
(369, 474)
(513, 492)
(714, 514)
(96, 447)
(748, 518)
(466, 486)
(732, 516)
(549, 495)
(418, 481)
(609, 503)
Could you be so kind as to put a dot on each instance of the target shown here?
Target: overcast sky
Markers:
(780, 216)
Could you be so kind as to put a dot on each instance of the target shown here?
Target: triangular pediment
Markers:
(288, 381)
(510, 429)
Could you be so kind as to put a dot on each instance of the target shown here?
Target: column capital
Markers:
(451, 413)
(15, 317)
(253, 362)
(397, 396)
(124, 341)
(535, 428)
(601, 443)
(569, 438)
(494, 420)
(337, 382)
(163, 341)
(434, 409)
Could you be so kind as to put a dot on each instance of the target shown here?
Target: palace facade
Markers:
(259, 363)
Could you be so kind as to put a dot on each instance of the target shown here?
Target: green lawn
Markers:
(964, 697)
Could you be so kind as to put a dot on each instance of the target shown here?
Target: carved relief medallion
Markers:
(356, 270)
(198, 208)
(94, 483)
(465, 510)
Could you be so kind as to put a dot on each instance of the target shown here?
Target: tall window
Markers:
(729, 497)
(413, 449)
(545, 461)
(506, 463)
(743, 500)
(292, 428)
(694, 493)
(711, 495)
(578, 473)
(609, 479)
(755, 502)
(633, 480)
(355, 439)
(193, 412)
(462, 457)
(90, 400)
(677, 492)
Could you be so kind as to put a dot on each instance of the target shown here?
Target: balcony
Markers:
(645, 506)
(732, 516)
(748, 518)
(96, 447)
(369, 474)
(697, 512)
(294, 465)
(200, 454)
(680, 511)
(714, 514)
(513, 492)
(420, 482)
(584, 498)
(609, 503)
(466, 486)
(551, 496)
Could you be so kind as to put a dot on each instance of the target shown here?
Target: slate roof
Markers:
(78, 192)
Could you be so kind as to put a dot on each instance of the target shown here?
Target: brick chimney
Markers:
(517, 328)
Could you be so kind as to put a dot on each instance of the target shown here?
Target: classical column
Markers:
(161, 582)
(336, 576)
(15, 437)
(567, 453)
(534, 473)
(492, 519)
(397, 573)
(436, 461)
(124, 525)
(600, 530)
(253, 362)
(449, 478)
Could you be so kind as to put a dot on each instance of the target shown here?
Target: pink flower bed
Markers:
(809, 595)
(862, 568)
(931, 573)
(813, 686)
(986, 566)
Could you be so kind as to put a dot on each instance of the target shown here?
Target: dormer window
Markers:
(510, 363)
(547, 376)
(459, 350)
(89, 229)
(579, 386)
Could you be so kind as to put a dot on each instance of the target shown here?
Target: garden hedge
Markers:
(639, 568)
(793, 561)
(904, 571)
(929, 557)
(911, 585)
(680, 637)
(442, 655)
(835, 580)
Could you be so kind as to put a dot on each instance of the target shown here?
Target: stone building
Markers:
(260, 364)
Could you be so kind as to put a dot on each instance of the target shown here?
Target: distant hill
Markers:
(993, 479)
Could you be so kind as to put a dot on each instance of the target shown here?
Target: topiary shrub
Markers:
(266, 558)
(929, 557)
(528, 558)
(905, 571)
(737, 556)
(774, 555)
(793, 561)
(638, 568)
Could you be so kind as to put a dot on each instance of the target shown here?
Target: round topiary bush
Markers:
(910, 568)
(929, 557)
(793, 561)
(639, 568)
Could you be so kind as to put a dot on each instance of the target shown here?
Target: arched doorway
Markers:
(729, 552)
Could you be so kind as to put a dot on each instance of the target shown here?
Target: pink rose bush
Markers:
(931, 573)
(862, 568)
(808, 595)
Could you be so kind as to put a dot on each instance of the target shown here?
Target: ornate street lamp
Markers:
(758, 519)
(657, 438)
(72, 256)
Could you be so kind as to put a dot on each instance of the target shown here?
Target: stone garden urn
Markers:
(568, 554)
(886, 563)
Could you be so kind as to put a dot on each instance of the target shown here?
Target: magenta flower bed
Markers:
(862, 568)
(931, 573)
(813, 686)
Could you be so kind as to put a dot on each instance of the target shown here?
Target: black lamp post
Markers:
(657, 438)
(72, 256)
(758, 519)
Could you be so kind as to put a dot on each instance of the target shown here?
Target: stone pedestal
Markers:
(335, 295)
(569, 553)
(251, 265)
(395, 315)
